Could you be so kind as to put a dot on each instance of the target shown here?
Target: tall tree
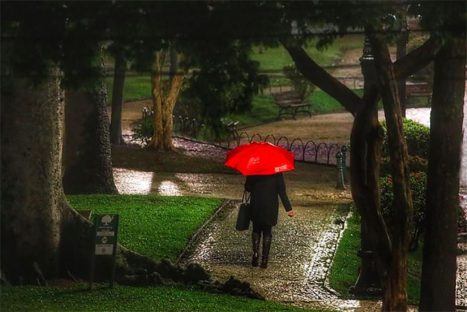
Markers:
(164, 97)
(87, 159)
(395, 294)
(122, 27)
(42, 236)
(32, 197)
(87, 155)
(364, 162)
(440, 244)
(401, 51)
(120, 66)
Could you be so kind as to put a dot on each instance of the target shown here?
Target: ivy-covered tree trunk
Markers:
(117, 100)
(440, 244)
(87, 159)
(395, 293)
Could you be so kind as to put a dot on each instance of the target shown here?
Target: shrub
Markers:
(418, 187)
(143, 130)
(416, 135)
(416, 164)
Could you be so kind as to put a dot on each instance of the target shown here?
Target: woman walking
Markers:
(264, 203)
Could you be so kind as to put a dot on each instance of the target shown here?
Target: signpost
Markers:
(104, 243)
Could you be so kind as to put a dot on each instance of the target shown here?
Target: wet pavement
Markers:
(301, 254)
(303, 246)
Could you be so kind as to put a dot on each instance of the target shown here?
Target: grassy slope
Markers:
(156, 226)
(125, 298)
(344, 270)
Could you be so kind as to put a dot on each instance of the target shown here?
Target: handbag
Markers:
(244, 213)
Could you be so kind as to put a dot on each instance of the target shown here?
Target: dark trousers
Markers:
(262, 228)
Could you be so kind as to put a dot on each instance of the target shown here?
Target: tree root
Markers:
(138, 270)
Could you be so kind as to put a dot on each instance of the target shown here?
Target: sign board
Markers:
(106, 234)
(105, 243)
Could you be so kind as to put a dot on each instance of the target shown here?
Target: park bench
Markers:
(291, 103)
(419, 89)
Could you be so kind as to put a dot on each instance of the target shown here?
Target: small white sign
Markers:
(104, 249)
(105, 233)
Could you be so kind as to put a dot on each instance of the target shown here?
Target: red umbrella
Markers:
(260, 158)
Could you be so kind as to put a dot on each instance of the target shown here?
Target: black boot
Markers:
(255, 238)
(266, 248)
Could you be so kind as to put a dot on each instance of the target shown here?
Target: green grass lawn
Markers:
(135, 88)
(155, 226)
(344, 269)
(126, 298)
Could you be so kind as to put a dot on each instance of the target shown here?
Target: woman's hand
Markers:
(291, 213)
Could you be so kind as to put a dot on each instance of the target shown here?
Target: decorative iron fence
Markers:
(307, 151)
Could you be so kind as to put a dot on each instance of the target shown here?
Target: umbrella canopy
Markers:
(260, 158)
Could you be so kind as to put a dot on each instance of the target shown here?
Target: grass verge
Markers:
(125, 298)
(155, 226)
(344, 269)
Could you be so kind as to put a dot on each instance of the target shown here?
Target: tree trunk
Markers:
(169, 105)
(31, 190)
(439, 251)
(87, 161)
(366, 141)
(117, 101)
(42, 237)
(157, 100)
(395, 295)
(400, 53)
(164, 100)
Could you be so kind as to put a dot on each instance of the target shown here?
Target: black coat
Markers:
(265, 190)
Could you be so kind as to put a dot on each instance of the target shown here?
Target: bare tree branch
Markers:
(417, 59)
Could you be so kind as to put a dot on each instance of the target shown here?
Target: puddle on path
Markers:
(178, 184)
(132, 181)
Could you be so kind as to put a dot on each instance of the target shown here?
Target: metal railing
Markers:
(307, 151)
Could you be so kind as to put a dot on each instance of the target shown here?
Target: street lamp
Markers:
(368, 281)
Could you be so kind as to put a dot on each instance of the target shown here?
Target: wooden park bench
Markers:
(419, 89)
(291, 103)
